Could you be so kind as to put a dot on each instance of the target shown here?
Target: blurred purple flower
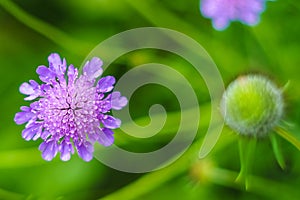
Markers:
(222, 12)
(70, 110)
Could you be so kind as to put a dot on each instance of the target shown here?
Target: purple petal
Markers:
(93, 137)
(49, 149)
(32, 132)
(45, 134)
(221, 23)
(105, 84)
(23, 117)
(45, 74)
(32, 89)
(249, 18)
(85, 151)
(118, 101)
(106, 137)
(258, 6)
(26, 88)
(56, 64)
(111, 122)
(208, 8)
(103, 105)
(34, 84)
(25, 108)
(35, 105)
(32, 97)
(72, 74)
(66, 149)
(93, 68)
(45, 87)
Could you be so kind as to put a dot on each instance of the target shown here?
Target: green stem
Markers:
(45, 29)
(289, 137)
(247, 150)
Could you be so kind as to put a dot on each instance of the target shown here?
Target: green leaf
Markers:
(277, 151)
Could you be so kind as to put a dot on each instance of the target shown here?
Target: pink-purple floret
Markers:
(70, 110)
(222, 12)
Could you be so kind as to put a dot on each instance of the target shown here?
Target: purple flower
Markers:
(222, 12)
(70, 111)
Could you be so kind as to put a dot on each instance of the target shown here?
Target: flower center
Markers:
(69, 110)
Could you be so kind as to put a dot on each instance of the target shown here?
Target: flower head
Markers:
(222, 12)
(70, 110)
(252, 105)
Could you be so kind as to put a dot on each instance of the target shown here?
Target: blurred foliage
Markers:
(75, 27)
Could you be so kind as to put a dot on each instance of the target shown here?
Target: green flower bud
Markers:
(252, 105)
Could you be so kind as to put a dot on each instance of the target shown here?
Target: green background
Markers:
(73, 28)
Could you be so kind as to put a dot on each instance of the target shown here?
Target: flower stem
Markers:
(247, 149)
(45, 29)
(289, 137)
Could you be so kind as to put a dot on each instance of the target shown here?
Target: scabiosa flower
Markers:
(70, 110)
(252, 105)
(222, 12)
